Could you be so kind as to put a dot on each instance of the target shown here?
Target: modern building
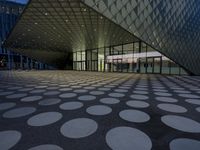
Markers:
(10, 12)
(144, 36)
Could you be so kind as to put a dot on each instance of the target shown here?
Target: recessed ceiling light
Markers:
(101, 17)
(84, 9)
(46, 14)
(36, 23)
(66, 20)
(29, 29)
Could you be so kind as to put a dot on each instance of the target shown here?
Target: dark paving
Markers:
(68, 110)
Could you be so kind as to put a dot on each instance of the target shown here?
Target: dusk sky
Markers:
(20, 1)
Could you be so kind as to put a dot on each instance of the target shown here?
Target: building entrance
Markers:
(117, 65)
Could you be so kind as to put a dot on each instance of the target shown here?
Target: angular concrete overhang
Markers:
(63, 26)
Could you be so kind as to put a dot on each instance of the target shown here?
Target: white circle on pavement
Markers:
(50, 93)
(139, 97)
(86, 98)
(116, 95)
(49, 101)
(44, 119)
(162, 94)
(104, 89)
(121, 90)
(137, 104)
(193, 101)
(65, 89)
(134, 116)
(109, 100)
(166, 99)
(140, 92)
(5, 93)
(31, 98)
(37, 91)
(80, 91)
(172, 108)
(79, 128)
(46, 147)
(181, 123)
(68, 95)
(198, 109)
(4, 106)
(19, 112)
(126, 138)
(9, 139)
(71, 105)
(189, 96)
(98, 110)
(97, 93)
(184, 144)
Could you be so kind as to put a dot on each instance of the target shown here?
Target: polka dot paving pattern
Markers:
(57, 110)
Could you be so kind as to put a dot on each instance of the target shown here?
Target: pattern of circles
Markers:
(166, 99)
(181, 123)
(134, 116)
(49, 101)
(86, 98)
(19, 112)
(31, 98)
(137, 104)
(116, 95)
(172, 108)
(126, 138)
(71, 105)
(9, 139)
(139, 97)
(98, 110)
(68, 95)
(184, 144)
(44, 119)
(79, 128)
(46, 147)
(193, 101)
(109, 100)
(4, 106)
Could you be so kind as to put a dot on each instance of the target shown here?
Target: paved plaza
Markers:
(69, 110)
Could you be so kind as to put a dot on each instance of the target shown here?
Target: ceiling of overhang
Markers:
(64, 25)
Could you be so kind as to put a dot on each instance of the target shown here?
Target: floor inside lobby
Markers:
(72, 110)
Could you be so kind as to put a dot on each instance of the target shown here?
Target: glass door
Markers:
(157, 65)
(150, 65)
(117, 65)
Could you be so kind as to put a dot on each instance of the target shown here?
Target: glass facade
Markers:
(135, 57)
(9, 13)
